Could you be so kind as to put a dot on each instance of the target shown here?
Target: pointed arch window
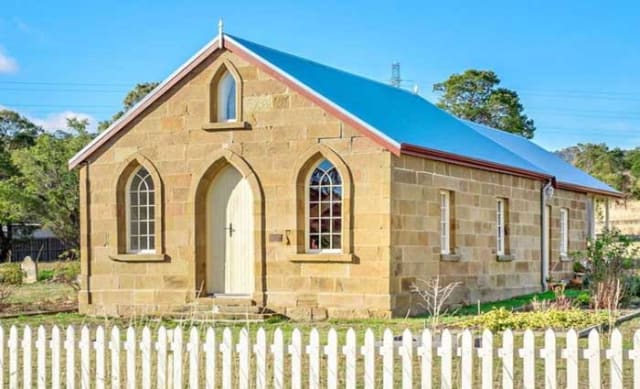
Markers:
(226, 98)
(140, 197)
(324, 209)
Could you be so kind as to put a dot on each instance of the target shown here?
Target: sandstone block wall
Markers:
(415, 216)
(283, 127)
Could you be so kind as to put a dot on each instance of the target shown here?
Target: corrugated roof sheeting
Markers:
(408, 118)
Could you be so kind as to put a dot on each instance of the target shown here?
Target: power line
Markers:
(56, 90)
(65, 83)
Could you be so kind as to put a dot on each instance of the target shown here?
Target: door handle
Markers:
(230, 229)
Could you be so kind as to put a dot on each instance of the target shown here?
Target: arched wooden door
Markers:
(230, 234)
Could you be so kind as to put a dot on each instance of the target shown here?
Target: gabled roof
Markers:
(401, 121)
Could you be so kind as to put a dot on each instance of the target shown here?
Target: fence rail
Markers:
(211, 358)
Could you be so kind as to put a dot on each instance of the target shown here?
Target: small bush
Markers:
(6, 291)
(67, 272)
(501, 319)
(11, 273)
(46, 275)
(583, 298)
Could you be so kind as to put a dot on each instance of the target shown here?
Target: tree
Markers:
(607, 165)
(474, 95)
(132, 98)
(47, 180)
(16, 205)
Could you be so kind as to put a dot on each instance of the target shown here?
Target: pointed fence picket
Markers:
(210, 348)
(592, 353)
(349, 351)
(260, 350)
(161, 359)
(41, 347)
(548, 354)
(145, 354)
(56, 364)
(295, 350)
(277, 349)
(331, 351)
(85, 358)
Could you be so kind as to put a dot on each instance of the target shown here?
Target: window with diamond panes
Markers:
(141, 213)
(324, 209)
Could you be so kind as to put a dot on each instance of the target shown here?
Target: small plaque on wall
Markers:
(275, 238)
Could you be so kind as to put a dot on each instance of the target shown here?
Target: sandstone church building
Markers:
(252, 176)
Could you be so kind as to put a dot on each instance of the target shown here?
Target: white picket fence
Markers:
(200, 357)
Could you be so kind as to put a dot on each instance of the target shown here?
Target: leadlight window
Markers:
(141, 213)
(226, 99)
(324, 209)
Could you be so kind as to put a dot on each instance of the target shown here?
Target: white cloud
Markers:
(58, 121)
(7, 64)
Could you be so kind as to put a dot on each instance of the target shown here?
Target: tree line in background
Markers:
(614, 166)
(37, 189)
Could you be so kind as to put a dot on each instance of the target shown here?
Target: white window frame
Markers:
(307, 218)
(225, 97)
(445, 222)
(500, 227)
(128, 214)
(564, 232)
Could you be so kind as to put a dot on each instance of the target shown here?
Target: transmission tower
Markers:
(395, 74)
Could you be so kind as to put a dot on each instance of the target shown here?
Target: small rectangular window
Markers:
(445, 222)
(564, 232)
(501, 209)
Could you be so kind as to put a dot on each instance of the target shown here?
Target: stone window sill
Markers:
(505, 258)
(224, 126)
(450, 257)
(138, 257)
(338, 258)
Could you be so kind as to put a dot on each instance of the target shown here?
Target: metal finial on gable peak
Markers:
(220, 33)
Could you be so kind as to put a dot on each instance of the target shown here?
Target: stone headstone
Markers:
(30, 269)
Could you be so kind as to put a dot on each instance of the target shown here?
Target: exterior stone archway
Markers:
(201, 183)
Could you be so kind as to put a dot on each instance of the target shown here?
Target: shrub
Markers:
(67, 272)
(6, 291)
(583, 298)
(45, 275)
(501, 319)
(11, 273)
(608, 260)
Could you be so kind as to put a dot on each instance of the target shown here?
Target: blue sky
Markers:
(575, 64)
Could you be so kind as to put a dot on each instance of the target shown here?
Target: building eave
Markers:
(588, 190)
(455, 159)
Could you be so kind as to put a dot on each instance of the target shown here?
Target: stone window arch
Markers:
(323, 196)
(225, 92)
(139, 212)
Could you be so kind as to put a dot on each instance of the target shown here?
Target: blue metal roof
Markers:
(408, 118)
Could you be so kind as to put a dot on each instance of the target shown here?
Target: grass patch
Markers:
(515, 303)
(41, 292)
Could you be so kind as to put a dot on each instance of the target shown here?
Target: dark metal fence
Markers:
(39, 249)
